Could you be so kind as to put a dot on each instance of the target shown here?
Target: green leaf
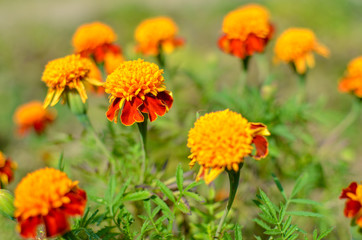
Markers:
(304, 214)
(168, 193)
(273, 232)
(61, 162)
(293, 237)
(123, 189)
(257, 237)
(325, 233)
(180, 178)
(269, 204)
(147, 205)
(262, 224)
(110, 190)
(315, 234)
(227, 236)
(290, 231)
(192, 185)
(165, 209)
(195, 196)
(286, 224)
(183, 207)
(238, 233)
(301, 181)
(282, 212)
(279, 186)
(141, 195)
(305, 201)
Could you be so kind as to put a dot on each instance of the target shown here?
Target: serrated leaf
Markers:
(192, 185)
(269, 204)
(195, 196)
(257, 237)
(290, 231)
(272, 232)
(325, 233)
(183, 207)
(267, 218)
(155, 211)
(137, 196)
(147, 205)
(305, 201)
(179, 178)
(165, 209)
(286, 224)
(238, 233)
(262, 224)
(279, 186)
(315, 234)
(119, 196)
(293, 237)
(304, 214)
(301, 181)
(168, 193)
(282, 212)
(110, 190)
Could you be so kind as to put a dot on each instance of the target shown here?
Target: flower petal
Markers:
(350, 189)
(166, 98)
(28, 227)
(153, 106)
(131, 113)
(113, 109)
(352, 208)
(56, 222)
(78, 200)
(261, 146)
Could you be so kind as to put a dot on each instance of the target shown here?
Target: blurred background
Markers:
(35, 32)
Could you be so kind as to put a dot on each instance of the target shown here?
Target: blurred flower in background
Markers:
(65, 74)
(353, 207)
(157, 34)
(96, 40)
(138, 87)
(296, 46)
(7, 167)
(221, 140)
(47, 196)
(32, 115)
(246, 30)
(352, 81)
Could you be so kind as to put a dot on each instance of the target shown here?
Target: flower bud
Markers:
(7, 204)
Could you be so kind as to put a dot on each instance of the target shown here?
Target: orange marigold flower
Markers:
(47, 196)
(221, 140)
(157, 33)
(65, 74)
(353, 207)
(7, 167)
(32, 115)
(246, 30)
(352, 82)
(97, 40)
(296, 46)
(138, 87)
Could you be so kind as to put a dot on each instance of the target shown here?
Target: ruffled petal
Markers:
(261, 146)
(113, 109)
(166, 98)
(28, 227)
(254, 44)
(350, 189)
(153, 106)
(352, 208)
(78, 200)
(56, 222)
(259, 129)
(131, 113)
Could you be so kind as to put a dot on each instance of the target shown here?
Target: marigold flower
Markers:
(246, 30)
(7, 167)
(353, 207)
(47, 196)
(32, 115)
(157, 33)
(352, 82)
(65, 74)
(97, 40)
(221, 140)
(138, 87)
(296, 45)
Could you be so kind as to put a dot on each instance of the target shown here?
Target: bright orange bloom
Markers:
(67, 73)
(221, 140)
(157, 33)
(7, 167)
(296, 45)
(32, 115)
(353, 208)
(246, 30)
(47, 196)
(97, 40)
(138, 87)
(352, 82)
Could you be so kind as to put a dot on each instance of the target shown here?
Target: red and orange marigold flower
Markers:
(96, 40)
(67, 73)
(353, 207)
(7, 168)
(32, 115)
(246, 30)
(221, 140)
(47, 197)
(352, 82)
(155, 34)
(138, 87)
(296, 46)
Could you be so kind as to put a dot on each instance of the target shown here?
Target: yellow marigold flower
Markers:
(352, 82)
(32, 115)
(47, 196)
(221, 140)
(65, 74)
(7, 167)
(155, 33)
(138, 87)
(296, 45)
(246, 30)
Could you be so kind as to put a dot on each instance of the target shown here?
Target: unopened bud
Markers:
(75, 103)
(7, 204)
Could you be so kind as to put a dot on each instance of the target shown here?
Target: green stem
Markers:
(302, 87)
(234, 183)
(142, 127)
(242, 78)
(161, 58)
